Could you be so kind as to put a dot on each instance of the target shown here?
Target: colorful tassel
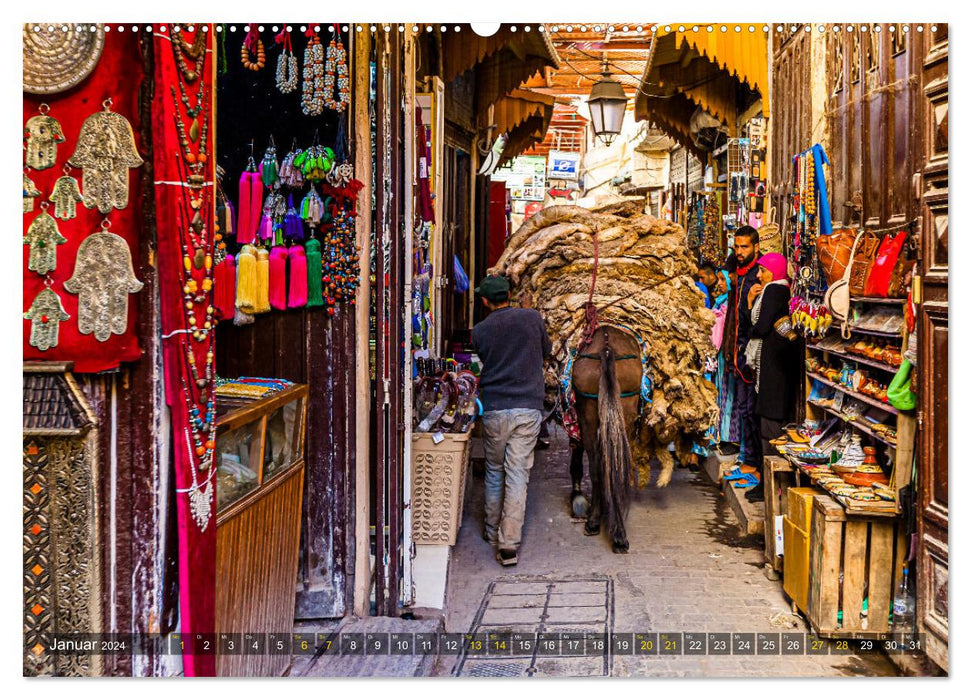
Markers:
(292, 223)
(262, 281)
(246, 280)
(298, 277)
(269, 168)
(278, 278)
(266, 226)
(224, 283)
(250, 206)
(315, 295)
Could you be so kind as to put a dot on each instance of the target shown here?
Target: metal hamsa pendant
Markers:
(43, 239)
(42, 134)
(105, 151)
(45, 314)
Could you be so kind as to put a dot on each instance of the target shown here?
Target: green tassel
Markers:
(315, 274)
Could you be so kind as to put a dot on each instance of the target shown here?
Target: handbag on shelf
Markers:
(770, 235)
(834, 252)
(837, 298)
(867, 244)
(883, 265)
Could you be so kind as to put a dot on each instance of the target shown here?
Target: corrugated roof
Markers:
(50, 404)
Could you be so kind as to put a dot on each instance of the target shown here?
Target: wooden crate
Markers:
(778, 478)
(795, 580)
(868, 552)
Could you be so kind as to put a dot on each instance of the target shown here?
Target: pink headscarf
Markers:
(776, 264)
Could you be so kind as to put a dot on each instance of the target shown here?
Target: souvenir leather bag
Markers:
(867, 245)
(884, 264)
(837, 298)
(834, 252)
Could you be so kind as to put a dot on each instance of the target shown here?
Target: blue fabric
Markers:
(704, 290)
(822, 200)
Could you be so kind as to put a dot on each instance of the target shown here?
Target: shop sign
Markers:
(564, 165)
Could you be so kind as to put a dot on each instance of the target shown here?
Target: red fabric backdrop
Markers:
(118, 75)
(197, 546)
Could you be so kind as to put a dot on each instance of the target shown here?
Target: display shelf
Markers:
(880, 509)
(856, 358)
(856, 424)
(882, 334)
(856, 395)
(878, 300)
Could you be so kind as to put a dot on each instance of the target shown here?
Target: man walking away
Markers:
(512, 344)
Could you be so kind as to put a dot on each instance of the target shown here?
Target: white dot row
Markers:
(710, 28)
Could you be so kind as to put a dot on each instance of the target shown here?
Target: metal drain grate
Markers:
(491, 669)
(537, 605)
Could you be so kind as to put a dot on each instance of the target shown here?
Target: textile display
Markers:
(184, 263)
(58, 211)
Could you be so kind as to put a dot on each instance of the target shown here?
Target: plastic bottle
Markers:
(903, 606)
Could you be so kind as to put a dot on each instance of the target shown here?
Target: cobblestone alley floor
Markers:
(688, 571)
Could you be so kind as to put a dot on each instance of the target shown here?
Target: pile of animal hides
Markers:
(644, 283)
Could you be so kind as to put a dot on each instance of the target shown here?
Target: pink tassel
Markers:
(250, 207)
(224, 288)
(298, 277)
(266, 227)
(278, 277)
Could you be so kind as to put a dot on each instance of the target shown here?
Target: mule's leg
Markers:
(579, 505)
(592, 448)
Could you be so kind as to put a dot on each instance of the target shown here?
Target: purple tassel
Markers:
(266, 227)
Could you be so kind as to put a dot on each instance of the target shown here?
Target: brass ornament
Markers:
(30, 194)
(42, 134)
(66, 196)
(45, 315)
(43, 239)
(105, 151)
(103, 278)
(55, 61)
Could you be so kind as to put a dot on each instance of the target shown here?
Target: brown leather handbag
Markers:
(866, 250)
(834, 252)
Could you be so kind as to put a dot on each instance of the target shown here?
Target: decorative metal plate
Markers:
(57, 61)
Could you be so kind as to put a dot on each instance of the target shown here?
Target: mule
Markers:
(606, 382)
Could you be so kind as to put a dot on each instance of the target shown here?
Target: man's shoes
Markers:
(542, 444)
(756, 494)
(506, 557)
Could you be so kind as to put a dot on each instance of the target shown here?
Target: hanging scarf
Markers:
(753, 351)
(723, 298)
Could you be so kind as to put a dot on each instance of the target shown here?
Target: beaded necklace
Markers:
(252, 44)
(312, 97)
(286, 66)
(336, 69)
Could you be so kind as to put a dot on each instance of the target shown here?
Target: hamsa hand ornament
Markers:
(43, 238)
(105, 151)
(45, 314)
(42, 134)
(65, 197)
(103, 278)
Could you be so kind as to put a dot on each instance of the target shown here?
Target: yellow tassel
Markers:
(246, 280)
(262, 280)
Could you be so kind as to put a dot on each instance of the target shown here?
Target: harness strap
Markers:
(625, 395)
(620, 357)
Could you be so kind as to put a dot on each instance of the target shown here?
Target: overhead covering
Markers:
(723, 73)
(525, 116)
(502, 62)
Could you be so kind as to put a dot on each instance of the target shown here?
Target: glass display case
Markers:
(256, 441)
(259, 496)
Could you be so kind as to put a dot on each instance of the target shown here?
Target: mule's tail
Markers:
(615, 450)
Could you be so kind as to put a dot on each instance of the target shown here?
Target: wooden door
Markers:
(932, 551)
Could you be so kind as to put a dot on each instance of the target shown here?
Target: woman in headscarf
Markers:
(772, 354)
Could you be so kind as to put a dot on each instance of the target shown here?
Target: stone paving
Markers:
(688, 571)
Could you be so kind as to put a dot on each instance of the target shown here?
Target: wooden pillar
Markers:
(361, 137)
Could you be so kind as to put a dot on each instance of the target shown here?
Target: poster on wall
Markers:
(564, 165)
(525, 178)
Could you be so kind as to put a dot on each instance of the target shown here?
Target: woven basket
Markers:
(438, 474)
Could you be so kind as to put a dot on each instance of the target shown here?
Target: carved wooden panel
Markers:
(61, 591)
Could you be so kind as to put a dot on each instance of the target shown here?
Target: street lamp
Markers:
(607, 103)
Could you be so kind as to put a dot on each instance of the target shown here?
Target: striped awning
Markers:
(525, 117)
(723, 73)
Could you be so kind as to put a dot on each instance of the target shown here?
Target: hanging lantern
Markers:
(608, 103)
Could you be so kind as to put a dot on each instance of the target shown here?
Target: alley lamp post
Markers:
(607, 103)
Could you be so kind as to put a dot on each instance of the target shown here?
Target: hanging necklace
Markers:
(312, 97)
(286, 66)
(195, 51)
(252, 44)
(336, 69)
